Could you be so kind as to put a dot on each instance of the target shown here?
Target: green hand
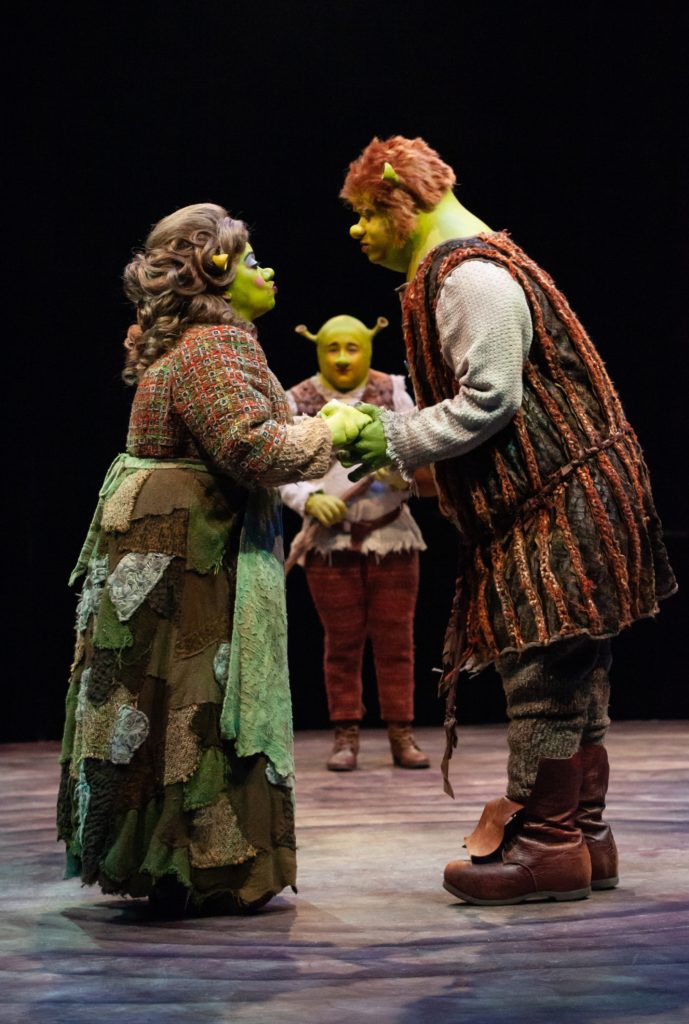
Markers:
(326, 508)
(344, 422)
(369, 449)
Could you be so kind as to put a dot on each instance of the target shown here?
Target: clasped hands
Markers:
(358, 431)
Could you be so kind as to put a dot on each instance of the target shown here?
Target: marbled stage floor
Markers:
(371, 936)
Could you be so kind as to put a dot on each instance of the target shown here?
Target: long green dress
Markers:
(177, 758)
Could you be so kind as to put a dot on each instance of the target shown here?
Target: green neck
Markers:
(448, 219)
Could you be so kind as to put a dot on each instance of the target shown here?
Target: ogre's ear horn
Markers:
(390, 174)
(303, 329)
(380, 323)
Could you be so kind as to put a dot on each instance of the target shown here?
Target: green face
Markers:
(252, 293)
(376, 237)
(344, 361)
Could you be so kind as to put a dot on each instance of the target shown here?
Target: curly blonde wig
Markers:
(173, 282)
(423, 179)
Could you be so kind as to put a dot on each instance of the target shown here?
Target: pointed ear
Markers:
(303, 329)
(390, 174)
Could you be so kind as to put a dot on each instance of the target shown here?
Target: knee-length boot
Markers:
(544, 856)
(589, 817)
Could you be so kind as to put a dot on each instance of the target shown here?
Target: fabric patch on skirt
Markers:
(182, 746)
(134, 578)
(82, 796)
(207, 540)
(89, 599)
(283, 828)
(101, 682)
(118, 508)
(205, 599)
(100, 821)
(165, 597)
(79, 649)
(206, 784)
(159, 655)
(191, 680)
(81, 697)
(130, 731)
(132, 662)
(208, 633)
(167, 490)
(286, 781)
(158, 533)
(217, 839)
(110, 632)
(221, 664)
(95, 728)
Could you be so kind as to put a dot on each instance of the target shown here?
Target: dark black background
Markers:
(566, 123)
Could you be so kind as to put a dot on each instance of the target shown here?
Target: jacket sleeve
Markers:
(485, 331)
(222, 393)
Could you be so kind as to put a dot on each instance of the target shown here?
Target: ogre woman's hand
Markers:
(326, 508)
(345, 422)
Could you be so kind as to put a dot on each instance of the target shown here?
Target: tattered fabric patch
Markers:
(130, 731)
(79, 649)
(287, 781)
(206, 540)
(95, 728)
(134, 578)
(81, 697)
(82, 797)
(117, 510)
(208, 781)
(182, 746)
(89, 599)
(101, 681)
(157, 533)
(110, 633)
(217, 839)
(221, 664)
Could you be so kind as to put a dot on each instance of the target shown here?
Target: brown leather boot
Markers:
(545, 855)
(406, 752)
(345, 747)
(589, 818)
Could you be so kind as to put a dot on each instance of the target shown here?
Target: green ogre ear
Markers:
(303, 329)
(380, 323)
(390, 174)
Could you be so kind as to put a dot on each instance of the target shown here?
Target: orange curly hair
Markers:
(424, 180)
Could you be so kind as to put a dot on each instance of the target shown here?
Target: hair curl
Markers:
(173, 282)
(424, 180)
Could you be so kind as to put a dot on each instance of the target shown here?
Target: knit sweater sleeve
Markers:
(485, 332)
(222, 393)
(295, 495)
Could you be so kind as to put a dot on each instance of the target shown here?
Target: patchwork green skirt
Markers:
(155, 785)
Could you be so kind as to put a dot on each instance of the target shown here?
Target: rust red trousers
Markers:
(359, 597)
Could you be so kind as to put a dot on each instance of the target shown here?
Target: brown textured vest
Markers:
(378, 391)
(555, 512)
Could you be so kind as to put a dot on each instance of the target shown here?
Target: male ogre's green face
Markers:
(378, 239)
(252, 293)
(344, 359)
